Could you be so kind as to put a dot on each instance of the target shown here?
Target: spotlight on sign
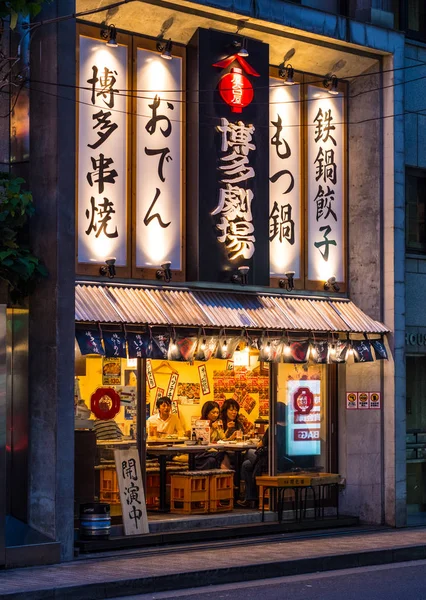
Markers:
(108, 270)
(331, 84)
(110, 34)
(243, 50)
(331, 284)
(288, 282)
(287, 74)
(165, 271)
(242, 275)
(165, 49)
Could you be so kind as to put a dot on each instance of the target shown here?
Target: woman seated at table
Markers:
(231, 423)
(212, 459)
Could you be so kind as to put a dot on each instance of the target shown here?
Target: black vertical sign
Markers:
(228, 158)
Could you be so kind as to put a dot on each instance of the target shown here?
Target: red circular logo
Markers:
(105, 403)
(303, 400)
(236, 90)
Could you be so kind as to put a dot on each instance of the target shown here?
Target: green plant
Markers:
(18, 265)
(16, 8)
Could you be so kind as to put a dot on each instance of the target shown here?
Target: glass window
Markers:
(413, 18)
(301, 417)
(415, 210)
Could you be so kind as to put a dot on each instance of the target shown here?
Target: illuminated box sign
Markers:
(159, 160)
(285, 214)
(228, 158)
(102, 152)
(326, 181)
(304, 412)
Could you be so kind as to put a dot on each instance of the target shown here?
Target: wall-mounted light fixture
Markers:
(240, 47)
(331, 284)
(110, 35)
(165, 271)
(287, 74)
(331, 84)
(165, 49)
(242, 275)
(109, 269)
(288, 282)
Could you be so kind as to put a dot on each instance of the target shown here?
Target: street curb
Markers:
(180, 581)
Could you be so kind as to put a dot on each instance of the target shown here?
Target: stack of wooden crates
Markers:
(198, 492)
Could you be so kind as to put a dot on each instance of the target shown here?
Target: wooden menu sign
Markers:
(132, 495)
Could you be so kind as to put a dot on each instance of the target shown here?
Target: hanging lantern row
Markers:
(168, 345)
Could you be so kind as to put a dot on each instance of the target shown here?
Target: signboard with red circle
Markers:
(105, 403)
(303, 400)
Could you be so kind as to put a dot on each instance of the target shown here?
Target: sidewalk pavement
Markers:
(184, 566)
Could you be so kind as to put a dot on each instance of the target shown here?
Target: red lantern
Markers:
(303, 400)
(236, 90)
(105, 403)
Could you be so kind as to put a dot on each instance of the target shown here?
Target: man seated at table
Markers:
(165, 422)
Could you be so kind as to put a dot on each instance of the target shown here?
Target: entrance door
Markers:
(3, 404)
(416, 440)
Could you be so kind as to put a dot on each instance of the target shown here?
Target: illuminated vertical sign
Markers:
(284, 179)
(159, 160)
(102, 152)
(304, 414)
(228, 159)
(325, 193)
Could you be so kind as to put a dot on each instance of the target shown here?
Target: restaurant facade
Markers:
(217, 198)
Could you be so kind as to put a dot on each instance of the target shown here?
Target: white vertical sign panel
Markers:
(326, 177)
(159, 160)
(102, 152)
(284, 178)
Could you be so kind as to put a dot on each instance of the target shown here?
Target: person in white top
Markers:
(165, 422)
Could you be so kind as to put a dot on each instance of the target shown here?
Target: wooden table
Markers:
(162, 452)
(299, 483)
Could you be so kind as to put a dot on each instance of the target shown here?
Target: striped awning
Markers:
(142, 305)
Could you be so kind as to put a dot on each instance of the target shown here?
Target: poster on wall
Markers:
(326, 185)
(363, 400)
(172, 385)
(159, 163)
(285, 213)
(351, 400)
(375, 400)
(102, 152)
(304, 414)
(150, 377)
(204, 380)
(111, 371)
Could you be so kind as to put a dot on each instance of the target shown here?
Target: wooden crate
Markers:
(189, 492)
(152, 493)
(221, 491)
(108, 486)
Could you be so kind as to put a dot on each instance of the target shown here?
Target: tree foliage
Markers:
(16, 8)
(18, 265)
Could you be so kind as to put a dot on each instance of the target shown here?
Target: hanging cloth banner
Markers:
(206, 347)
(115, 344)
(89, 340)
(270, 349)
(137, 344)
(340, 351)
(380, 351)
(298, 352)
(319, 352)
(227, 346)
(362, 351)
(182, 348)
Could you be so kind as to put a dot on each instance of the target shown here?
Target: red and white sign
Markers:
(375, 400)
(105, 403)
(303, 400)
(351, 400)
(303, 435)
(363, 400)
(150, 375)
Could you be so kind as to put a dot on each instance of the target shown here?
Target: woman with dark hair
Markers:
(210, 412)
(231, 423)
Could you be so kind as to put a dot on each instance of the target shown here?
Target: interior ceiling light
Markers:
(165, 49)
(331, 84)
